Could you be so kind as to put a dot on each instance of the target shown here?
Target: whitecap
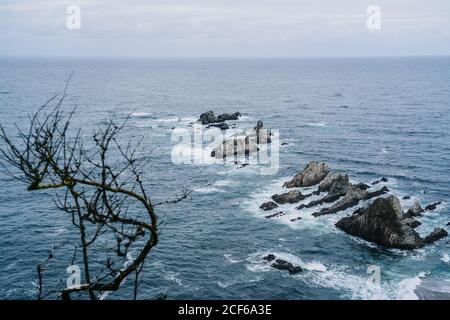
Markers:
(141, 114)
(207, 190)
(317, 124)
(445, 258)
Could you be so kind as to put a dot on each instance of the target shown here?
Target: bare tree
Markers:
(98, 185)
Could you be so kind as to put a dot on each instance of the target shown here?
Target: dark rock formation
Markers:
(380, 181)
(351, 198)
(311, 175)
(282, 264)
(288, 197)
(384, 223)
(432, 206)
(406, 197)
(437, 234)
(229, 116)
(269, 205)
(209, 117)
(336, 184)
(276, 215)
(415, 211)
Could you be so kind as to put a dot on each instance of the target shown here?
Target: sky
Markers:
(223, 28)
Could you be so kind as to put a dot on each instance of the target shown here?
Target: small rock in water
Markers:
(269, 205)
(432, 206)
(284, 144)
(384, 179)
(269, 257)
(406, 198)
(282, 264)
(276, 215)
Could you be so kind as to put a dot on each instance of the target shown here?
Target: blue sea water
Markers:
(368, 117)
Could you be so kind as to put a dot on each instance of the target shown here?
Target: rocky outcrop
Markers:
(269, 205)
(242, 144)
(432, 206)
(384, 223)
(336, 184)
(276, 215)
(415, 210)
(209, 117)
(437, 234)
(380, 181)
(334, 180)
(282, 264)
(288, 197)
(351, 198)
(311, 175)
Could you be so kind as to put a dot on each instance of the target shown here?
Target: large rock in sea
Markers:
(209, 117)
(288, 197)
(384, 223)
(334, 182)
(415, 210)
(313, 173)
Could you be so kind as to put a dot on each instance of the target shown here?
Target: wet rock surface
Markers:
(311, 175)
(384, 223)
(281, 264)
(269, 205)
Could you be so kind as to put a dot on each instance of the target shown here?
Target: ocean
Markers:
(368, 117)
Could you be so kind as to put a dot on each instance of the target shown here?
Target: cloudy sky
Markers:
(224, 28)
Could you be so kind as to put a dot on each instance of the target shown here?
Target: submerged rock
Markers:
(221, 126)
(269, 205)
(288, 197)
(282, 264)
(311, 175)
(384, 223)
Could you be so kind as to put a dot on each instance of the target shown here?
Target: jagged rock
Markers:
(242, 145)
(384, 223)
(269, 205)
(311, 175)
(288, 197)
(276, 215)
(432, 206)
(336, 179)
(229, 116)
(437, 234)
(269, 257)
(352, 197)
(209, 117)
(282, 264)
(415, 211)
(379, 181)
(336, 185)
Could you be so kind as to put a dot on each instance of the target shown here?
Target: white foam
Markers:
(207, 190)
(225, 183)
(230, 259)
(141, 114)
(445, 258)
(316, 124)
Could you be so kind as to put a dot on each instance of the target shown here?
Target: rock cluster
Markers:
(384, 223)
(209, 117)
(282, 264)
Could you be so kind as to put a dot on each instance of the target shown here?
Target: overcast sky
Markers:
(222, 28)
